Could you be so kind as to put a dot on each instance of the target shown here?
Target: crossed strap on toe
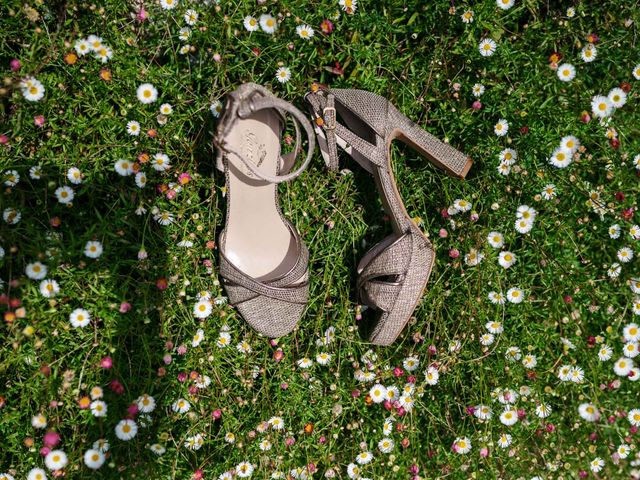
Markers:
(382, 270)
(244, 288)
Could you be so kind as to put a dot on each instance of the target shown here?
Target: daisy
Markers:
(224, 338)
(34, 474)
(157, 449)
(133, 127)
(515, 295)
(93, 459)
(467, 16)
(505, 440)
(543, 410)
(304, 362)
(504, 168)
(392, 393)
(124, 167)
(483, 412)
(508, 156)
(630, 350)
(523, 226)
(230, 437)
(74, 175)
(11, 178)
(11, 216)
(560, 158)
(160, 162)
(202, 309)
(98, 408)
(386, 445)
(549, 191)
(244, 469)
(589, 53)
(95, 42)
(323, 358)
(378, 393)
(283, 74)
(634, 231)
(349, 6)
(49, 288)
(529, 361)
(617, 97)
(216, 108)
(462, 445)
(82, 46)
(486, 339)
(55, 460)
(506, 259)
(104, 53)
(126, 429)
(364, 457)
(601, 106)
(625, 254)
(477, 89)
(406, 402)
(268, 23)
(588, 412)
(570, 143)
(596, 464)
(203, 381)
(141, 179)
(501, 128)
(39, 421)
(605, 353)
(96, 392)
(576, 374)
(623, 366)
(564, 373)
(431, 376)
(34, 91)
(36, 271)
(79, 318)
(623, 450)
(505, 4)
(634, 417)
(180, 406)
(495, 239)
(411, 363)
(166, 109)
(631, 332)
(184, 49)
(304, 31)
(566, 72)
(614, 231)
(277, 423)
(64, 194)
(634, 284)
(93, 249)
(250, 23)
(473, 258)
(197, 338)
(497, 298)
(190, 17)
(184, 33)
(635, 306)
(487, 47)
(194, 442)
(512, 354)
(265, 445)
(147, 93)
(353, 471)
(168, 4)
(636, 72)
(462, 205)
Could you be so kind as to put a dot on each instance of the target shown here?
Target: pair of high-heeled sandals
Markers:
(263, 260)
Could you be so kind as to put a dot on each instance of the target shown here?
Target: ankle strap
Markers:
(250, 98)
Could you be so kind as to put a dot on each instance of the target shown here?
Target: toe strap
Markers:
(382, 271)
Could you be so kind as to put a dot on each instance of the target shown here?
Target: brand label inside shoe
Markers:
(253, 150)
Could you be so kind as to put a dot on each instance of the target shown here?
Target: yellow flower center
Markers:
(126, 428)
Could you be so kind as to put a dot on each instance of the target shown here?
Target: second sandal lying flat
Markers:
(392, 275)
(263, 260)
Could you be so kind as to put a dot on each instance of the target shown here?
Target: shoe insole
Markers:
(256, 240)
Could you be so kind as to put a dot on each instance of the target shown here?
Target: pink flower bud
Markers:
(454, 253)
(106, 362)
(443, 233)
(15, 64)
(125, 307)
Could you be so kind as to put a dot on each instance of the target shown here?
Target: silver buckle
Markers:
(329, 125)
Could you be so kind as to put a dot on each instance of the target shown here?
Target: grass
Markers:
(425, 60)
